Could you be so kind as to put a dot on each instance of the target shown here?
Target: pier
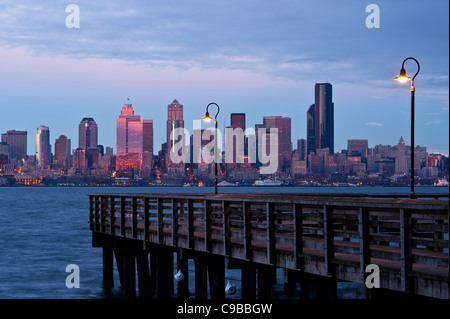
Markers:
(317, 239)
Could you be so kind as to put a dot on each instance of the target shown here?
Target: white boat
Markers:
(225, 183)
(267, 182)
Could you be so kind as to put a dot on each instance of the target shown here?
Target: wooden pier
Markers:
(317, 239)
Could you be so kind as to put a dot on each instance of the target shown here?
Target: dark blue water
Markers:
(44, 229)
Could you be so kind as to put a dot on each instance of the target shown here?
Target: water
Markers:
(44, 229)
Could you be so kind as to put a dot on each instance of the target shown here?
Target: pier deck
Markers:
(332, 237)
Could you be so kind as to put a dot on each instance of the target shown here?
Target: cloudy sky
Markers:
(255, 56)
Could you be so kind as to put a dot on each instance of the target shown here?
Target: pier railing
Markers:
(324, 235)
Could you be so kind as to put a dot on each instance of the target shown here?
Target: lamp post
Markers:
(403, 78)
(208, 118)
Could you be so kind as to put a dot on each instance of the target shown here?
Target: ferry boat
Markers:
(267, 182)
(225, 183)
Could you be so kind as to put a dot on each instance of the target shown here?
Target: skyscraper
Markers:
(17, 145)
(284, 147)
(174, 121)
(87, 133)
(129, 131)
(310, 130)
(62, 151)
(238, 147)
(324, 117)
(43, 147)
(134, 137)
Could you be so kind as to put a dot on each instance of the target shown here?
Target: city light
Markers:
(402, 77)
(207, 118)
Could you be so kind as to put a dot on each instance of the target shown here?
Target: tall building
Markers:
(284, 149)
(17, 145)
(129, 131)
(79, 160)
(310, 130)
(401, 160)
(87, 133)
(174, 121)
(134, 137)
(43, 147)
(238, 147)
(324, 116)
(62, 156)
(147, 127)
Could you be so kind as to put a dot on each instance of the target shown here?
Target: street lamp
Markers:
(403, 78)
(208, 118)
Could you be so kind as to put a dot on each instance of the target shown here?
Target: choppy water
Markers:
(44, 229)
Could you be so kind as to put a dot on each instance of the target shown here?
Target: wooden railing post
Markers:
(328, 239)
(103, 213)
(364, 241)
(247, 231)
(174, 222)
(159, 206)
(112, 212)
(226, 228)
(207, 207)
(146, 219)
(190, 213)
(134, 217)
(270, 215)
(122, 215)
(298, 232)
(405, 249)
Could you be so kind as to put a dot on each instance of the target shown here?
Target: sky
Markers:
(259, 57)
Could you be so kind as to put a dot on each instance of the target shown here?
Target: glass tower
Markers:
(43, 147)
(324, 117)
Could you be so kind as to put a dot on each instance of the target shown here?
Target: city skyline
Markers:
(129, 112)
(258, 58)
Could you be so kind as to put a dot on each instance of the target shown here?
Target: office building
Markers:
(324, 117)
(43, 147)
(87, 133)
(62, 156)
(134, 137)
(17, 145)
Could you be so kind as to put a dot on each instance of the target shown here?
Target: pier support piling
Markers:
(108, 266)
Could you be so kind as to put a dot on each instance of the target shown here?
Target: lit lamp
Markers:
(403, 78)
(208, 118)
